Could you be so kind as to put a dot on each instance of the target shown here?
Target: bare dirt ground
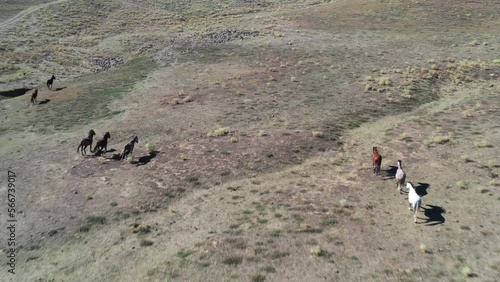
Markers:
(263, 115)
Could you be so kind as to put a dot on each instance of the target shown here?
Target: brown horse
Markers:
(86, 142)
(33, 96)
(102, 144)
(129, 148)
(377, 161)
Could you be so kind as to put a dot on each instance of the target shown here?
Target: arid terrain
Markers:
(256, 121)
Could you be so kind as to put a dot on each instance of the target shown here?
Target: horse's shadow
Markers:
(421, 189)
(44, 102)
(60, 88)
(391, 172)
(146, 159)
(101, 153)
(434, 215)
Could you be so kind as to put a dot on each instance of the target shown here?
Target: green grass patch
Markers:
(92, 101)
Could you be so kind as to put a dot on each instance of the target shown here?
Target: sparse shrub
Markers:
(146, 243)
(233, 260)
(175, 101)
(441, 140)
(218, 132)
(52, 232)
(114, 204)
(269, 269)
(187, 99)
(261, 133)
(278, 254)
(384, 81)
(85, 228)
(318, 134)
(258, 278)
(491, 163)
(467, 271)
(144, 229)
(150, 148)
(130, 159)
(462, 185)
(94, 219)
(275, 233)
(483, 144)
(184, 253)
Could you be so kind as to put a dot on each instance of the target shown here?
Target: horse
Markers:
(400, 176)
(86, 142)
(129, 148)
(102, 144)
(414, 200)
(50, 82)
(377, 161)
(33, 96)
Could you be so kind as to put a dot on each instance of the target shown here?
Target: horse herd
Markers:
(101, 146)
(415, 200)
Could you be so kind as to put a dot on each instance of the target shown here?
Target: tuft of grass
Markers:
(144, 229)
(440, 140)
(278, 254)
(94, 219)
(85, 228)
(330, 220)
(219, 132)
(146, 243)
(258, 278)
(483, 144)
(467, 271)
(318, 134)
(114, 204)
(184, 253)
(233, 260)
(187, 99)
(462, 185)
(269, 269)
(194, 180)
(52, 232)
(130, 159)
(465, 227)
(150, 148)
(384, 80)
(275, 233)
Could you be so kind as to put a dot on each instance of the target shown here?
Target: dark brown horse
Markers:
(50, 82)
(86, 142)
(377, 161)
(129, 148)
(102, 144)
(33, 96)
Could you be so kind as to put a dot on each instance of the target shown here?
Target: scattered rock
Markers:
(227, 35)
(105, 64)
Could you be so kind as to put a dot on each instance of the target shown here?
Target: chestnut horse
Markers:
(129, 148)
(377, 161)
(86, 142)
(102, 144)
(34, 95)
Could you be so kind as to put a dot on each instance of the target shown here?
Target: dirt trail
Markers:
(26, 12)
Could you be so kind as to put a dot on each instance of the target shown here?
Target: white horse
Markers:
(414, 199)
